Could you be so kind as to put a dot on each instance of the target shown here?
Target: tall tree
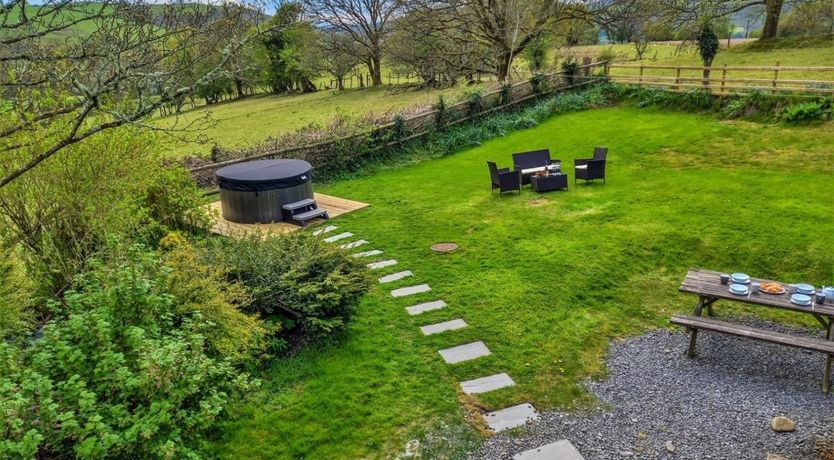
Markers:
(366, 21)
(103, 64)
(693, 11)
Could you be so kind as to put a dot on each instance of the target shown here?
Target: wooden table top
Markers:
(708, 283)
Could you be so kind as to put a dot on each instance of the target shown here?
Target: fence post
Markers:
(678, 78)
(640, 80)
(723, 77)
(775, 76)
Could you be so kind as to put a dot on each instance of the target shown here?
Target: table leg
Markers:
(826, 379)
(693, 333)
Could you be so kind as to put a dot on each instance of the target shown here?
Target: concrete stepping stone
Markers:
(486, 384)
(340, 236)
(511, 417)
(411, 290)
(353, 244)
(559, 450)
(374, 252)
(463, 353)
(443, 327)
(396, 276)
(382, 264)
(324, 230)
(425, 306)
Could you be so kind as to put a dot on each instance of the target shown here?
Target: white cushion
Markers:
(532, 170)
(581, 167)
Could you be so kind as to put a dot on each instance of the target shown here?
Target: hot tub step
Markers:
(304, 217)
(300, 204)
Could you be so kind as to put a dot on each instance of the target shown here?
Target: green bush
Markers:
(808, 111)
(16, 298)
(121, 376)
(171, 202)
(296, 276)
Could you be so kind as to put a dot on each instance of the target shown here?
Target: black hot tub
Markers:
(255, 191)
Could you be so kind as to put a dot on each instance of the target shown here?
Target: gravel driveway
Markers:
(717, 406)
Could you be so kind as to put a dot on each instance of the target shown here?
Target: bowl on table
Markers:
(805, 289)
(801, 299)
(740, 278)
(739, 289)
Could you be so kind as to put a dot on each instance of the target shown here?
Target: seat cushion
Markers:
(532, 170)
(581, 167)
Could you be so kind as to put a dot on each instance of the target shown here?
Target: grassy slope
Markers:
(545, 280)
(251, 120)
(801, 51)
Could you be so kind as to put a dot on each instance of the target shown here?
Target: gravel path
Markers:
(718, 406)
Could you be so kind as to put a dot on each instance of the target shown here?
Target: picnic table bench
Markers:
(707, 286)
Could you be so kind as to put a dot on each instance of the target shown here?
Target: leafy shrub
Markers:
(570, 69)
(441, 117)
(506, 90)
(16, 298)
(474, 103)
(121, 376)
(296, 276)
(807, 111)
(607, 54)
(198, 287)
(172, 202)
(539, 83)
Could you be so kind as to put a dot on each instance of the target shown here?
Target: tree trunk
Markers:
(307, 86)
(375, 69)
(504, 63)
(773, 9)
(340, 83)
(239, 87)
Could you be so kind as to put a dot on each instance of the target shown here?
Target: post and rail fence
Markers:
(766, 79)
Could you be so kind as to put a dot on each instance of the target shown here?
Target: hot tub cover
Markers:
(254, 176)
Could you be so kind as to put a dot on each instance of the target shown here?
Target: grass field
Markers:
(249, 121)
(546, 281)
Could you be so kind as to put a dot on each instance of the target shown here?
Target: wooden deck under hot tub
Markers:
(335, 206)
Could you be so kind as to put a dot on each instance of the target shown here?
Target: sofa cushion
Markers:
(532, 170)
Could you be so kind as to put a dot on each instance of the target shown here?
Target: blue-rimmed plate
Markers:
(805, 289)
(740, 278)
(801, 299)
(739, 289)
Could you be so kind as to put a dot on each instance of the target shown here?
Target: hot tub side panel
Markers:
(264, 207)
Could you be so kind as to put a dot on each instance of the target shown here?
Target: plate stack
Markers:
(803, 295)
(739, 289)
(740, 278)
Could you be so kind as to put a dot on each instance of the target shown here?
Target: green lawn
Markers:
(546, 281)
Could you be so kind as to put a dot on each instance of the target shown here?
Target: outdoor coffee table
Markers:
(550, 182)
(707, 286)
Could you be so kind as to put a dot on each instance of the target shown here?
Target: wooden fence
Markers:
(319, 154)
(727, 80)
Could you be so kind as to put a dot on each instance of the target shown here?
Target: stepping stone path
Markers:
(425, 306)
(465, 352)
(500, 420)
(486, 384)
(452, 325)
(410, 290)
(340, 236)
(559, 450)
(353, 244)
(324, 230)
(511, 417)
(382, 264)
(395, 276)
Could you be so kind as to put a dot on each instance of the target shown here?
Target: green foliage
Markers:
(809, 111)
(201, 288)
(16, 298)
(441, 117)
(506, 91)
(570, 68)
(607, 54)
(172, 202)
(123, 375)
(399, 131)
(707, 44)
(296, 276)
(474, 103)
(539, 83)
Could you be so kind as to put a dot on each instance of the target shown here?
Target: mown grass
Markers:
(546, 281)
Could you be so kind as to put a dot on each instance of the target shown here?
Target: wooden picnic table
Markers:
(707, 286)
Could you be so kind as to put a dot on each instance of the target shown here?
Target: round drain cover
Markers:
(444, 247)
